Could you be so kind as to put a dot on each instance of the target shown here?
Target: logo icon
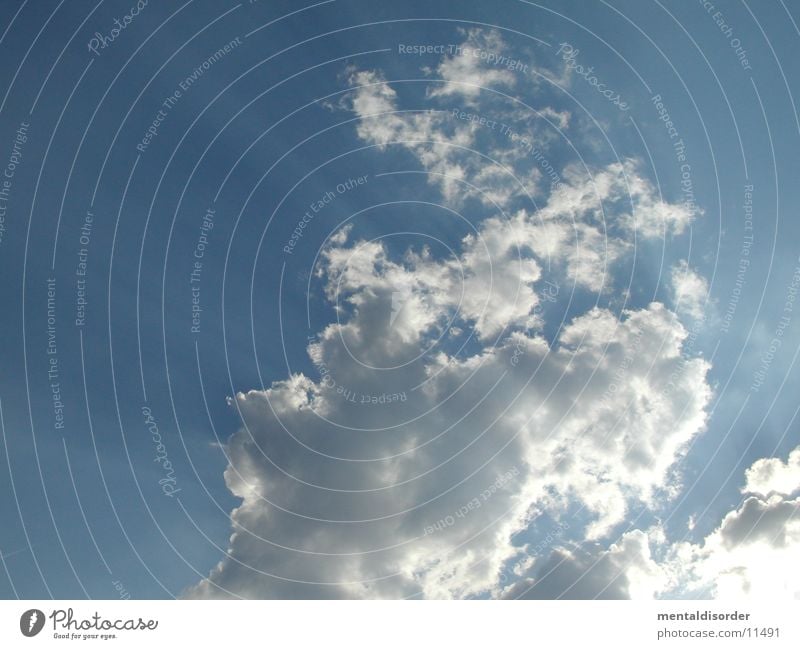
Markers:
(398, 301)
(31, 622)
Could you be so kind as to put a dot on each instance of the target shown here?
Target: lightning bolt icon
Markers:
(398, 299)
(34, 617)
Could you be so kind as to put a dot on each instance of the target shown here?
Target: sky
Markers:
(430, 300)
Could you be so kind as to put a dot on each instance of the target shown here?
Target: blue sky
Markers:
(281, 119)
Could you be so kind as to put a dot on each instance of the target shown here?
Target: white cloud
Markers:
(752, 550)
(773, 475)
(489, 285)
(627, 570)
(346, 499)
(689, 289)
(442, 146)
(586, 226)
(408, 466)
(474, 67)
(748, 555)
(641, 210)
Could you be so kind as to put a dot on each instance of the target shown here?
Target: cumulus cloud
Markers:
(447, 140)
(490, 284)
(773, 475)
(422, 494)
(588, 222)
(626, 570)
(480, 62)
(642, 212)
(752, 551)
(749, 554)
(689, 289)
(440, 421)
(446, 146)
